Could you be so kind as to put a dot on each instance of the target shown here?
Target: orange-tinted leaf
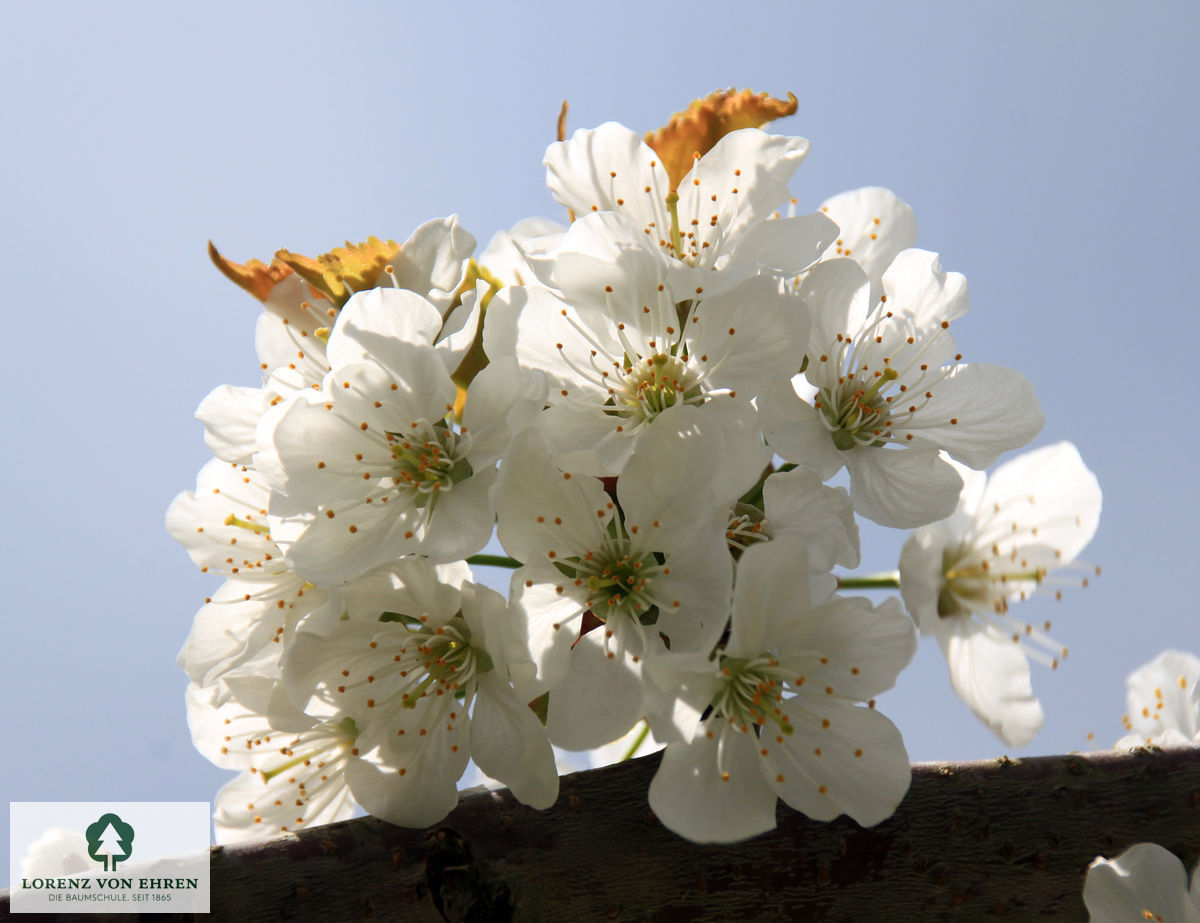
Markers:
(342, 271)
(254, 276)
(695, 131)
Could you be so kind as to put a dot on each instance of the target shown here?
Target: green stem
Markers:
(637, 741)
(493, 560)
(885, 581)
(753, 496)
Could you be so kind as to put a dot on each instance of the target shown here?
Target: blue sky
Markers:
(1047, 149)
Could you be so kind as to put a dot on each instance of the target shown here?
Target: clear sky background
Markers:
(1049, 150)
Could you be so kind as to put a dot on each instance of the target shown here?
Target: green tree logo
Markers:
(111, 838)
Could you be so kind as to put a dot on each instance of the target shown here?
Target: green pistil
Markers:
(889, 374)
(673, 208)
(410, 698)
(268, 774)
(978, 573)
(261, 529)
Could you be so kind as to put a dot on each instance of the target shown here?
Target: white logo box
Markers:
(142, 856)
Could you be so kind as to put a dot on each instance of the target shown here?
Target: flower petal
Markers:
(420, 790)
(902, 488)
(857, 765)
(990, 673)
(717, 770)
(509, 744)
(230, 415)
(798, 504)
(609, 168)
(1146, 882)
(431, 262)
(787, 245)
(875, 225)
(373, 319)
(599, 699)
(977, 413)
(794, 429)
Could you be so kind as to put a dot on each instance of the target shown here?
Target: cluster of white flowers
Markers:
(613, 397)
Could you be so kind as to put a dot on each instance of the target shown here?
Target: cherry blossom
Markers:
(1145, 883)
(609, 397)
(291, 334)
(874, 226)
(380, 466)
(608, 579)
(718, 220)
(620, 344)
(785, 710)
(1163, 702)
(292, 766)
(959, 576)
(427, 688)
(888, 391)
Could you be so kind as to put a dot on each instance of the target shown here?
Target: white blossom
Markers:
(785, 710)
(292, 766)
(244, 626)
(291, 331)
(1145, 883)
(796, 503)
(1011, 531)
(506, 255)
(641, 368)
(602, 587)
(888, 391)
(724, 201)
(427, 688)
(380, 466)
(1163, 702)
(874, 226)
(622, 344)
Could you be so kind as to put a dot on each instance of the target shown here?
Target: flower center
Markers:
(652, 384)
(439, 660)
(856, 413)
(745, 528)
(325, 743)
(974, 585)
(619, 580)
(428, 460)
(856, 408)
(751, 693)
(978, 587)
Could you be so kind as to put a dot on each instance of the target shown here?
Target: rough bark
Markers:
(1008, 839)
